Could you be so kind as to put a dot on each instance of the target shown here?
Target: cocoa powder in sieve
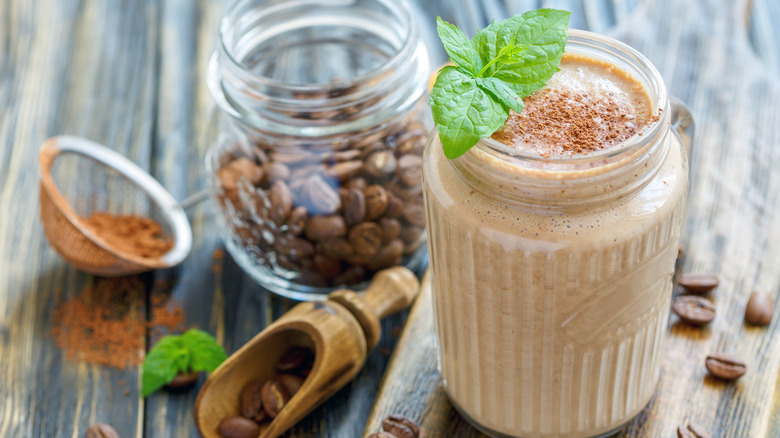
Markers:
(132, 234)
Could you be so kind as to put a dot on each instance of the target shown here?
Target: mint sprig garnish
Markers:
(195, 350)
(493, 71)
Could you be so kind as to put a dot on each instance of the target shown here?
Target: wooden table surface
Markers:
(131, 74)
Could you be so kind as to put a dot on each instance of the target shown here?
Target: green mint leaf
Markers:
(206, 354)
(460, 48)
(501, 92)
(542, 34)
(195, 350)
(514, 58)
(463, 112)
(164, 361)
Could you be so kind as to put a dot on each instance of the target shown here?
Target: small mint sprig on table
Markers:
(195, 350)
(493, 71)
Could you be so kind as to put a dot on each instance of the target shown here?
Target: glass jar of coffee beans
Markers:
(315, 156)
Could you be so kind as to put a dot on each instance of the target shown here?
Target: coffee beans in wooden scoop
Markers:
(692, 431)
(262, 401)
(698, 283)
(725, 366)
(101, 430)
(759, 309)
(694, 310)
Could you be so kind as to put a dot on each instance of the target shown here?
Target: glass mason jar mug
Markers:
(317, 146)
(552, 276)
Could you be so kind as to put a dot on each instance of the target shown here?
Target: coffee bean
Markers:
(183, 380)
(337, 248)
(342, 171)
(692, 431)
(376, 201)
(759, 309)
(329, 267)
(290, 382)
(274, 397)
(694, 310)
(380, 164)
(357, 183)
(351, 275)
(382, 434)
(412, 238)
(294, 247)
(365, 238)
(414, 213)
(275, 172)
(320, 228)
(354, 206)
(698, 283)
(389, 255)
(725, 366)
(319, 197)
(281, 201)
(251, 401)
(342, 156)
(238, 427)
(297, 221)
(101, 430)
(395, 206)
(391, 229)
(293, 359)
(291, 156)
(400, 426)
(409, 169)
(247, 169)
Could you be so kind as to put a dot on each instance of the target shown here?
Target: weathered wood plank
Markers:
(83, 68)
(732, 229)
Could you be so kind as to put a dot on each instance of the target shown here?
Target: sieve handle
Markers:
(194, 200)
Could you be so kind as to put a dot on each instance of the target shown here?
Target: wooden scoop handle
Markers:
(391, 291)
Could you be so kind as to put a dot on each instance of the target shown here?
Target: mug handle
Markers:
(682, 123)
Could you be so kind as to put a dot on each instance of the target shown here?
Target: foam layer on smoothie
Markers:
(589, 105)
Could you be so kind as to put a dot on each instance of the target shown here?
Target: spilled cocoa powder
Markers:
(105, 324)
(131, 234)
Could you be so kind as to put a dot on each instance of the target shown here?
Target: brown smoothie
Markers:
(552, 279)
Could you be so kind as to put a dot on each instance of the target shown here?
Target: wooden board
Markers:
(733, 229)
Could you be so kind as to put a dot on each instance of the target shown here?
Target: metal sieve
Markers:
(80, 177)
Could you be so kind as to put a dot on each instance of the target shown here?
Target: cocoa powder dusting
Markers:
(105, 324)
(132, 234)
(568, 122)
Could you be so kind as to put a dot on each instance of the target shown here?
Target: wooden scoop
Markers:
(340, 331)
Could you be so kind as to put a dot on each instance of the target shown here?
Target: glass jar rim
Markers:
(641, 139)
(400, 7)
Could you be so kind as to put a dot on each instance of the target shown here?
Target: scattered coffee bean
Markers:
(395, 206)
(101, 430)
(388, 256)
(759, 309)
(274, 397)
(329, 267)
(238, 427)
(698, 283)
(319, 197)
(294, 359)
(725, 366)
(692, 431)
(345, 170)
(694, 310)
(297, 221)
(183, 380)
(400, 426)
(251, 401)
(275, 172)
